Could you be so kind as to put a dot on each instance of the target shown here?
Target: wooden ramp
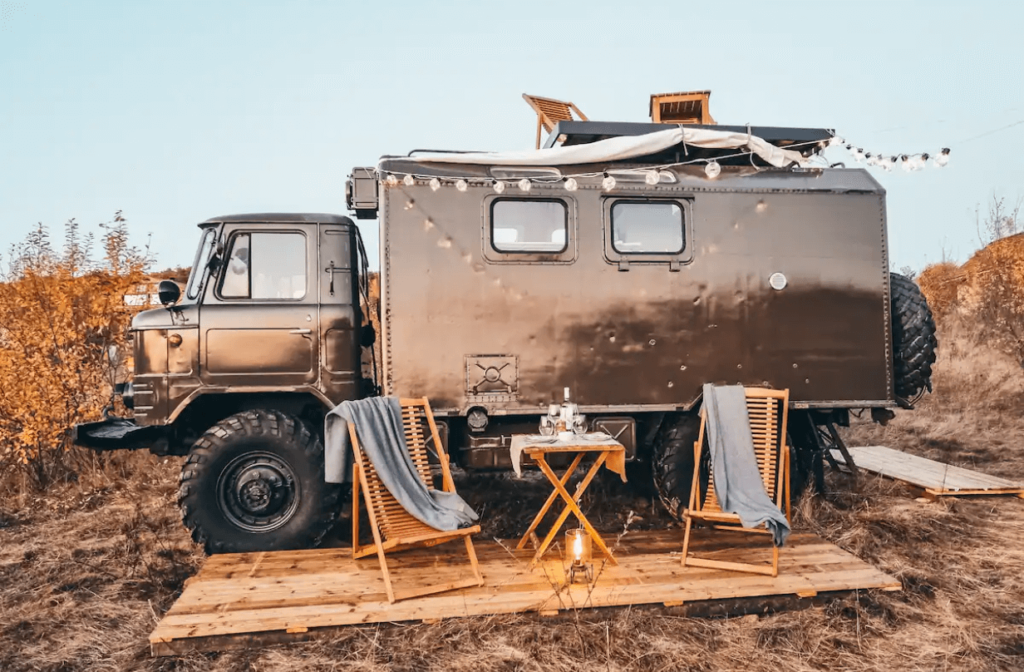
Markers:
(241, 599)
(934, 478)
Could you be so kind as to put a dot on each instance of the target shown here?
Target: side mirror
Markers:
(168, 292)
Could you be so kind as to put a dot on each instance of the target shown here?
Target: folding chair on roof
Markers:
(550, 112)
(394, 528)
(767, 410)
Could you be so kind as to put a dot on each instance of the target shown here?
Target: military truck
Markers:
(630, 281)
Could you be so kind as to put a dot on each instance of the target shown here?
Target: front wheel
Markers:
(255, 482)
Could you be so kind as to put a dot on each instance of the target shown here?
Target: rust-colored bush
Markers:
(63, 323)
(993, 294)
(940, 284)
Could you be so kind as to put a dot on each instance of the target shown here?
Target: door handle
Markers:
(301, 331)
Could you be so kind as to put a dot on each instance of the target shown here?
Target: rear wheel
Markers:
(255, 482)
(673, 461)
(913, 338)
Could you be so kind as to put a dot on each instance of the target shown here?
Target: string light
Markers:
(712, 169)
(909, 162)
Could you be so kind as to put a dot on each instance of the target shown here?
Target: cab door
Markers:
(260, 314)
(340, 317)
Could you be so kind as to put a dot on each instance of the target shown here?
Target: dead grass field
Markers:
(86, 571)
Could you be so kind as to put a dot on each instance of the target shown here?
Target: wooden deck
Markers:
(935, 479)
(251, 598)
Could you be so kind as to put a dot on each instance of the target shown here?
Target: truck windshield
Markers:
(195, 280)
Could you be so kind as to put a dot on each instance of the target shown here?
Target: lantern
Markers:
(578, 553)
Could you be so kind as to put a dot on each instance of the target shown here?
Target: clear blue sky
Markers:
(178, 111)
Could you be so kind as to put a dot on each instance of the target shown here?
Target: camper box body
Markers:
(472, 325)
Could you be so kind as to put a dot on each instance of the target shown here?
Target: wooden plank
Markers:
(936, 478)
(251, 597)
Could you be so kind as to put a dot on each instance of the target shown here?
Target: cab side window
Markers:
(265, 265)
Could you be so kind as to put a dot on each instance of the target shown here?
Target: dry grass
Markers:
(86, 570)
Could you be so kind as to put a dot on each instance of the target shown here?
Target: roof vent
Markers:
(689, 107)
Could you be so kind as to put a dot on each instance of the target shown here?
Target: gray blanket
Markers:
(378, 423)
(738, 483)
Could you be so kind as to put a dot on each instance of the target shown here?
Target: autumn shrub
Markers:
(63, 331)
(941, 284)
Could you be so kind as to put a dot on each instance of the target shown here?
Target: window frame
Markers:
(219, 285)
(492, 254)
(625, 259)
(201, 268)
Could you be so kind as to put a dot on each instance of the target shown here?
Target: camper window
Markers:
(647, 227)
(529, 225)
(265, 266)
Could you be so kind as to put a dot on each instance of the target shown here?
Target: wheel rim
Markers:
(257, 492)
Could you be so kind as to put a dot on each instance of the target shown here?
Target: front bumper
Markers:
(115, 434)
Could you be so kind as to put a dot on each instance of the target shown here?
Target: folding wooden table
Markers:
(610, 453)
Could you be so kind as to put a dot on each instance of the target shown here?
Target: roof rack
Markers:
(568, 133)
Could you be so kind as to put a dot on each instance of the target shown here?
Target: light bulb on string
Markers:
(942, 158)
(835, 140)
(461, 185)
(408, 180)
(608, 183)
(652, 177)
(499, 187)
(391, 180)
(920, 161)
(858, 155)
(525, 184)
(571, 184)
(712, 170)
(906, 164)
(435, 184)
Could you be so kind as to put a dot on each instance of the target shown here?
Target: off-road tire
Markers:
(913, 337)
(672, 461)
(285, 441)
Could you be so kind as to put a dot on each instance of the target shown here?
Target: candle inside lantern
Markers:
(577, 546)
(578, 554)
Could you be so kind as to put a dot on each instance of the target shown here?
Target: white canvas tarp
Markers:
(624, 147)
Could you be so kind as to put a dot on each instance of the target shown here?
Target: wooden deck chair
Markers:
(550, 112)
(767, 410)
(394, 528)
